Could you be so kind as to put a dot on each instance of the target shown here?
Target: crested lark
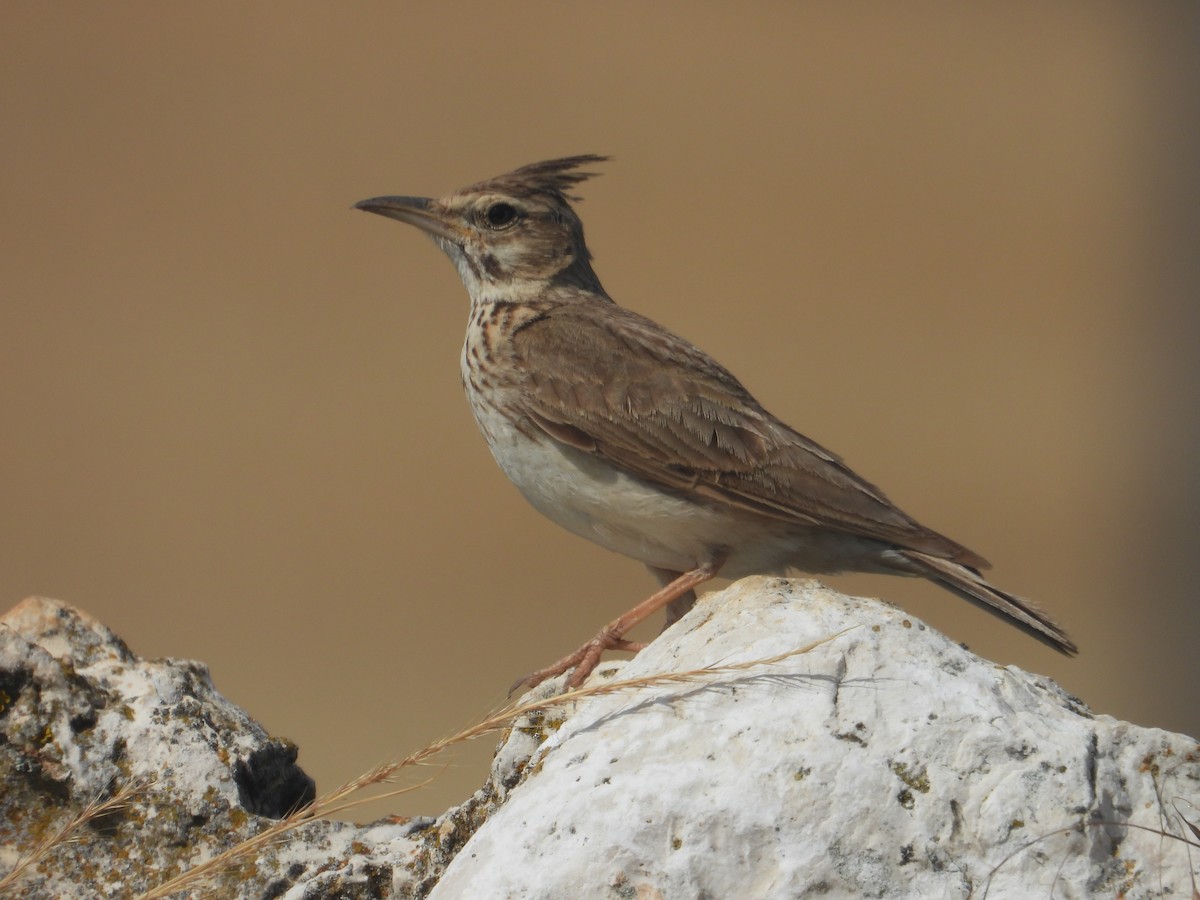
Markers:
(633, 438)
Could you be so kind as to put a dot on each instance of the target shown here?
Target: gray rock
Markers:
(80, 716)
(885, 761)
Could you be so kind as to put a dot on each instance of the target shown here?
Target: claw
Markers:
(612, 635)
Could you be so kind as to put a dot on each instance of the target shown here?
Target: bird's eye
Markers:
(500, 215)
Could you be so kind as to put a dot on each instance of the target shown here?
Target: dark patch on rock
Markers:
(271, 784)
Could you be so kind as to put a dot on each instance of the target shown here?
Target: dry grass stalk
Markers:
(1094, 823)
(96, 808)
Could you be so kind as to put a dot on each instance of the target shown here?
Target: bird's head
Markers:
(510, 236)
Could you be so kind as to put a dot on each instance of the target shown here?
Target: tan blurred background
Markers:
(957, 245)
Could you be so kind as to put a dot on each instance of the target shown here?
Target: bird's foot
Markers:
(583, 660)
(612, 635)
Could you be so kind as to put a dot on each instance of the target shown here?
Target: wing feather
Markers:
(654, 405)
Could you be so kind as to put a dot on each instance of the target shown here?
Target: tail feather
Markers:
(969, 584)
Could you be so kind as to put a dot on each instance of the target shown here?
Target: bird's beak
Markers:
(419, 211)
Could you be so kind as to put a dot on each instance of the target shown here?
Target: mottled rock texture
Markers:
(80, 716)
(885, 761)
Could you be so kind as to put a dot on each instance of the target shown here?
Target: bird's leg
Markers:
(681, 605)
(612, 635)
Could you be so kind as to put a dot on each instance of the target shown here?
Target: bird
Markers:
(628, 435)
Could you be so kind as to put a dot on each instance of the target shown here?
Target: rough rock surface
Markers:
(80, 716)
(887, 761)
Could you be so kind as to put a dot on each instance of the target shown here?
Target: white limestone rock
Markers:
(886, 762)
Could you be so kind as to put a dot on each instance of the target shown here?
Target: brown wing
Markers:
(656, 406)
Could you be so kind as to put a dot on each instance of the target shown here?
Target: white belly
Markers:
(624, 514)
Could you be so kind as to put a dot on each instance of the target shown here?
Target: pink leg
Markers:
(612, 635)
(681, 605)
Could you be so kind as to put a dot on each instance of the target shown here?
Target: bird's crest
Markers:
(552, 176)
